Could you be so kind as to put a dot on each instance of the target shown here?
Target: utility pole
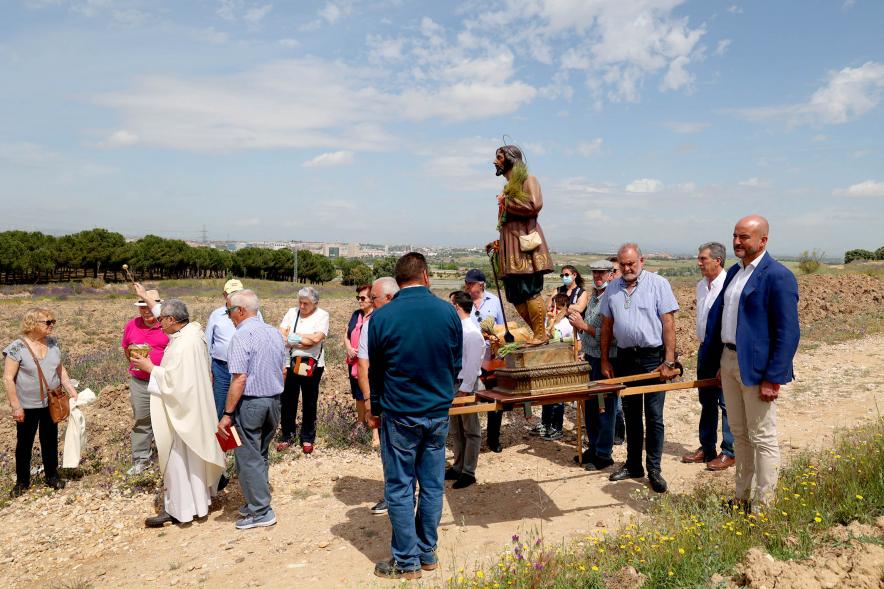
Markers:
(205, 235)
(295, 274)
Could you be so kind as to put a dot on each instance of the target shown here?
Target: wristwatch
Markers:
(229, 413)
(669, 364)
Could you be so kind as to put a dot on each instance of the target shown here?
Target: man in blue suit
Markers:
(752, 334)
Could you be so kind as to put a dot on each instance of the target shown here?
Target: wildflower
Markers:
(860, 497)
(818, 519)
(785, 512)
(595, 568)
(671, 573)
(515, 538)
(480, 574)
(681, 550)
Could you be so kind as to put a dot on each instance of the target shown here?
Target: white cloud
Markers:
(313, 103)
(754, 183)
(849, 94)
(644, 186)
(383, 49)
(332, 158)
(463, 165)
(685, 127)
(734, 9)
(120, 138)
(331, 13)
(590, 148)
(869, 188)
(26, 154)
(256, 14)
(227, 9)
(820, 138)
(722, 46)
(288, 43)
(617, 44)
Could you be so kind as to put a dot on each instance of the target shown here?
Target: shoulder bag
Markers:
(303, 365)
(59, 407)
(529, 242)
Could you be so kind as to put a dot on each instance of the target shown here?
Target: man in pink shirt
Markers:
(143, 330)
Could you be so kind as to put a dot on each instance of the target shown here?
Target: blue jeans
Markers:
(711, 400)
(413, 451)
(600, 426)
(256, 420)
(643, 432)
(220, 384)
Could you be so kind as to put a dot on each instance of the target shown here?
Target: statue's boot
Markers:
(536, 311)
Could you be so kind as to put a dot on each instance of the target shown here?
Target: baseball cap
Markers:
(153, 296)
(601, 266)
(474, 275)
(233, 285)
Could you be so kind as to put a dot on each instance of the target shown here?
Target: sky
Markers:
(655, 121)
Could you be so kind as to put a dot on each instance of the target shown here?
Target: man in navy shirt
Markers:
(414, 350)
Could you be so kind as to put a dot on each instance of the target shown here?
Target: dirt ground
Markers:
(326, 536)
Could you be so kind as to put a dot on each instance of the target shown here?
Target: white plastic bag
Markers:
(75, 436)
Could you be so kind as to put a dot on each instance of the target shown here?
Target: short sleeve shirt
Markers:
(637, 316)
(256, 350)
(362, 350)
(137, 332)
(27, 379)
(317, 322)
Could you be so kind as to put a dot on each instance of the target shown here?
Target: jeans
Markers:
(26, 431)
(413, 451)
(711, 400)
(256, 420)
(220, 384)
(308, 388)
(650, 433)
(553, 416)
(600, 426)
(142, 431)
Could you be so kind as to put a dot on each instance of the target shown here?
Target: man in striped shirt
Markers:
(256, 358)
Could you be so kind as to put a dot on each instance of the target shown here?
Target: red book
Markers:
(231, 441)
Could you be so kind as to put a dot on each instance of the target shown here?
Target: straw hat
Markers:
(233, 285)
(153, 296)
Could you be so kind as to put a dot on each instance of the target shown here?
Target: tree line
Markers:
(861, 254)
(34, 257)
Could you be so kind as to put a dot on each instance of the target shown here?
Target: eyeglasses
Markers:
(161, 317)
(362, 299)
(563, 274)
(48, 322)
(230, 310)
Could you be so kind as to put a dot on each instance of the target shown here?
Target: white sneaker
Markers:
(138, 468)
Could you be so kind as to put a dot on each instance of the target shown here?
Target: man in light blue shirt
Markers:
(638, 310)
(219, 330)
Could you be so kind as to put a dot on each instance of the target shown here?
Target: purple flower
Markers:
(515, 538)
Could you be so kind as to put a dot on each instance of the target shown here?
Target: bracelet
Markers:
(229, 413)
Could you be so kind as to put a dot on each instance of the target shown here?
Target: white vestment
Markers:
(182, 413)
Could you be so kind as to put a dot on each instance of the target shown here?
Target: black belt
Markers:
(219, 361)
(640, 351)
(731, 347)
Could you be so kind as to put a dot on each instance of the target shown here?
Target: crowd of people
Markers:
(191, 387)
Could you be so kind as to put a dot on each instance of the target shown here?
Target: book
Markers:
(231, 441)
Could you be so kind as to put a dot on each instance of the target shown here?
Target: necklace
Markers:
(627, 296)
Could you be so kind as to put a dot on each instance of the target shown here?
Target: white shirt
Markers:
(362, 348)
(706, 294)
(317, 322)
(564, 328)
(473, 352)
(732, 300)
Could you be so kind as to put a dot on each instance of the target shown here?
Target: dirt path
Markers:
(326, 536)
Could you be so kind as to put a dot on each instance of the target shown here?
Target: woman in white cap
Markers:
(142, 333)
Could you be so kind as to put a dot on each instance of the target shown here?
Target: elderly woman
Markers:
(182, 411)
(32, 367)
(304, 328)
(351, 344)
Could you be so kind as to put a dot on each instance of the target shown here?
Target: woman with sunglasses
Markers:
(351, 344)
(29, 399)
(573, 287)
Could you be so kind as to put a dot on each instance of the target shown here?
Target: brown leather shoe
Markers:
(695, 457)
(720, 462)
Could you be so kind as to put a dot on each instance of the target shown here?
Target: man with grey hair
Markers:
(638, 310)
(710, 259)
(256, 358)
(182, 412)
(382, 292)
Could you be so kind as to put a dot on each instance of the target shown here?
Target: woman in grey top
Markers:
(30, 409)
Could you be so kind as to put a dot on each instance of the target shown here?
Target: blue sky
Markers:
(656, 121)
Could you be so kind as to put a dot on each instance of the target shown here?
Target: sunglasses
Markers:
(48, 322)
(362, 299)
(230, 310)
(562, 275)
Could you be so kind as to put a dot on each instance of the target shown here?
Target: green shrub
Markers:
(810, 262)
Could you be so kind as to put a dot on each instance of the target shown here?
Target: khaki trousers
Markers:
(753, 423)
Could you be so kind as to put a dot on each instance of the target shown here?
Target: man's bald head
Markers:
(750, 237)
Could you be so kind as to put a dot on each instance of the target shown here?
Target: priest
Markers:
(182, 411)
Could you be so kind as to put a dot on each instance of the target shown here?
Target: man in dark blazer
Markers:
(752, 334)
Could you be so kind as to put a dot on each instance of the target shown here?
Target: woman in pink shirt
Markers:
(144, 330)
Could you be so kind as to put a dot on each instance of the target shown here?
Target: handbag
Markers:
(303, 365)
(529, 242)
(59, 407)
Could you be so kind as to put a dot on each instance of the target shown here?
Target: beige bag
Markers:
(530, 242)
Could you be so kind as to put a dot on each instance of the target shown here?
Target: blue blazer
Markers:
(767, 326)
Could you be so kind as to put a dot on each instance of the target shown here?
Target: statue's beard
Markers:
(500, 170)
